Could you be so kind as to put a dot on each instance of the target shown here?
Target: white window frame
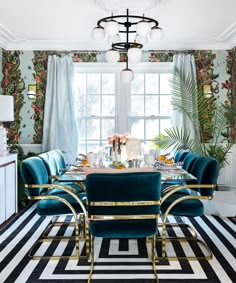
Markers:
(122, 90)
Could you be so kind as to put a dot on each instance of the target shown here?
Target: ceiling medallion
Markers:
(115, 6)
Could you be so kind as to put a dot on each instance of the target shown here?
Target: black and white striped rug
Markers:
(115, 260)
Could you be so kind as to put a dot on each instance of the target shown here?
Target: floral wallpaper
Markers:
(230, 102)
(39, 60)
(13, 83)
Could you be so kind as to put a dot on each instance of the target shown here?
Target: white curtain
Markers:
(60, 128)
(185, 65)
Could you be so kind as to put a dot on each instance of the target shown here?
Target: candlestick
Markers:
(118, 143)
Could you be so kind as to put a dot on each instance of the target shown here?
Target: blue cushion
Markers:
(123, 187)
(189, 160)
(180, 155)
(55, 207)
(50, 164)
(188, 208)
(59, 158)
(206, 169)
(33, 171)
(53, 159)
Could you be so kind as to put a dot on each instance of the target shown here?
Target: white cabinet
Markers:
(8, 186)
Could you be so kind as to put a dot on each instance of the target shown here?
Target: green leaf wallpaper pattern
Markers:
(13, 84)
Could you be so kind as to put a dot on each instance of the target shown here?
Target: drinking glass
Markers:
(91, 156)
(149, 159)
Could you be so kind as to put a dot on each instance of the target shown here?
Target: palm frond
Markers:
(208, 123)
(176, 138)
(219, 152)
(219, 124)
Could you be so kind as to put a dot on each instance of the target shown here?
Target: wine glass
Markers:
(91, 156)
(149, 159)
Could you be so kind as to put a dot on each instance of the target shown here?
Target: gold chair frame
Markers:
(124, 217)
(79, 221)
(169, 191)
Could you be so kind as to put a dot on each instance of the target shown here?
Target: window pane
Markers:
(137, 85)
(93, 105)
(165, 83)
(137, 105)
(165, 105)
(92, 146)
(82, 147)
(137, 128)
(152, 105)
(151, 85)
(108, 105)
(94, 83)
(164, 124)
(108, 83)
(93, 128)
(108, 128)
(152, 128)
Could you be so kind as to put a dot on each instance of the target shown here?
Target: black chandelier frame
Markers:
(124, 46)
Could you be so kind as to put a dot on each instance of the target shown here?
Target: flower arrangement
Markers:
(116, 137)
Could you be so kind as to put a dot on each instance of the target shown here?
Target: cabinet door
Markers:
(2, 195)
(10, 189)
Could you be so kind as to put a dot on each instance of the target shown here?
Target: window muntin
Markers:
(107, 106)
(150, 104)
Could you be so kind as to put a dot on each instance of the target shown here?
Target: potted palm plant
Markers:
(207, 123)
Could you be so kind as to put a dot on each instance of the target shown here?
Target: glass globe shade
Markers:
(112, 56)
(113, 39)
(134, 55)
(111, 28)
(156, 34)
(127, 75)
(140, 39)
(143, 28)
(98, 33)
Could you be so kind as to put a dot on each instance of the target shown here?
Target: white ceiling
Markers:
(67, 24)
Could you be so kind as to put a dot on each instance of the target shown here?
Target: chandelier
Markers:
(114, 26)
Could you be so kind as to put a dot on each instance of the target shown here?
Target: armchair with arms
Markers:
(123, 205)
(55, 164)
(53, 200)
(174, 202)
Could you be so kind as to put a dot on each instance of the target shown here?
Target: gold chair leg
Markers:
(154, 257)
(44, 239)
(91, 259)
(182, 239)
(179, 224)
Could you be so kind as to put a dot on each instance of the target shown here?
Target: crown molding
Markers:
(9, 41)
(7, 37)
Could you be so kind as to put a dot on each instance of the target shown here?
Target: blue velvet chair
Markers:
(55, 164)
(123, 205)
(206, 169)
(50, 202)
(188, 160)
(180, 155)
(60, 161)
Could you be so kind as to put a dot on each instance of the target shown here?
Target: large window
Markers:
(107, 106)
